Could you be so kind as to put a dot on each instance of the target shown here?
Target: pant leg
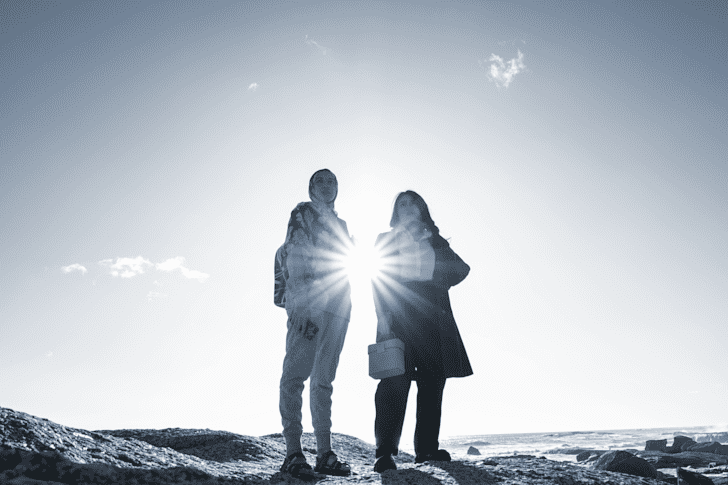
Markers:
(329, 343)
(390, 402)
(429, 412)
(297, 366)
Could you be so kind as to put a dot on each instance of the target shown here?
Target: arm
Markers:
(450, 269)
(299, 249)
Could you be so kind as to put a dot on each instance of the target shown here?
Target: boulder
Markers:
(583, 456)
(688, 458)
(625, 462)
(594, 457)
(710, 447)
(692, 478)
(473, 451)
(678, 442)
(656, 445)
(686, 446)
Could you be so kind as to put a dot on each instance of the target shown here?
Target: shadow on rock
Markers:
(219, 446)
(467, 473)
(397, 477)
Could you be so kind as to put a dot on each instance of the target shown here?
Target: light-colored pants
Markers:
(311, 353)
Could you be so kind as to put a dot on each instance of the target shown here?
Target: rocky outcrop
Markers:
(688, 458)
(583, 456)
(35, 451)
(693, 478)
(656, 445)
(710, 447)
(473, 451)
(625, 462)
(680, 443)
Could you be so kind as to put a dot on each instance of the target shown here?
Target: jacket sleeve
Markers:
(450, 269)
(299, 249)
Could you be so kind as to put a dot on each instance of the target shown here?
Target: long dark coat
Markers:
(420, 310)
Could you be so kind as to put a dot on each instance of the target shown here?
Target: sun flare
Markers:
(363, 264)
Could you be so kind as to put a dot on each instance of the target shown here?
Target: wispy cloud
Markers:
(253, 87)
(178, 263)
(321, 48)
(502, 72)
(126, 267)
(74, 267)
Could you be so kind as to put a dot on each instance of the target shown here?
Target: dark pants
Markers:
(391, 402)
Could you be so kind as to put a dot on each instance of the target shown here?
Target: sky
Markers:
(573, 152)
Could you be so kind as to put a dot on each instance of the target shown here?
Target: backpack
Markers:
(279, 285)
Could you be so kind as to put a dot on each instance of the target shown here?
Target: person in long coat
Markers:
(412, 304)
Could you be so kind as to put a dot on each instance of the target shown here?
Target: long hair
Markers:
(437, 239)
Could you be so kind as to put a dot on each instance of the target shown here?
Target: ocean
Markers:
(556, 445)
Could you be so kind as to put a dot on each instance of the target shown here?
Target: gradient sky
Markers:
(574, 153)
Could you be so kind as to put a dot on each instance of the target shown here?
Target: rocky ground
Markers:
(36, 451)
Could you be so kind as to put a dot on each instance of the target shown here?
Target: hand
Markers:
(383, 337)
(299, 317)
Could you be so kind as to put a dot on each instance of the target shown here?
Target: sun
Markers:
(363, 263)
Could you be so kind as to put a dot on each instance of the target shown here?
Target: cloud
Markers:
(126, 267)
(49, 354)
(319, 46)
(178, 263)
(74, 267)
(501, 72)
(253, 87)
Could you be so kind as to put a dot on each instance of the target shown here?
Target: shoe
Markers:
(329, 464)
(384, 463)
(439, 455)
(296, 466)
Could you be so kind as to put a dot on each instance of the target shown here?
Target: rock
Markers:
(583, 456)
(656, 445)
(625, 462)
(709, 447)
(686, 446)
(678, 443)
(688, 458)
(692, 478)
(175, 456)
(592, 458)
(473, 451)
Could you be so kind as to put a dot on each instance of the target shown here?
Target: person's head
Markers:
(323, 187)
(410, 207)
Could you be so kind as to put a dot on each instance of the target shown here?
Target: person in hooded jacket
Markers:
(412, 304)
(317, 299)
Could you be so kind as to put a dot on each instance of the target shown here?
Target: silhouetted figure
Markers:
(312, 284)
(412, 304)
